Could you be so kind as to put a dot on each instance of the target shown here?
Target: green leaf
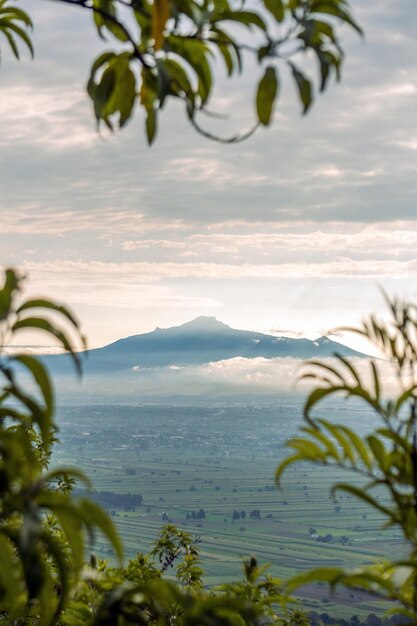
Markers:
(362, 495)
(358, 445)
(335, 576)
(335, 9)
(39, 373)
(41, 303)
(290, 460)
(276, 7)
(40, 323)
(227, 57)
(93, 515)
(304, 88)
(151, 125)
(309, 450)
(266, 95)
(317, 395)
(336, 431)
(315, 433)
(105, 16)
(247, 18)
(378, 451)
(7, 292)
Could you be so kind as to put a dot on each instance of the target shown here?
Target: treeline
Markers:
(111, 500)
(255, 514)
(200, 514)
(371, 619)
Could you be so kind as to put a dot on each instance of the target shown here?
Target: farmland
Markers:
(221, 460)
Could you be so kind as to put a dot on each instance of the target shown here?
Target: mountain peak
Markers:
(204, 323)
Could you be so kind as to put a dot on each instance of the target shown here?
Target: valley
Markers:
(210, 470)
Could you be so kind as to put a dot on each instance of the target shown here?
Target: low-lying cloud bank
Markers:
(235, 378)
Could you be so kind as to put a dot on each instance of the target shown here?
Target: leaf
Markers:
(336, 431)
(160, 16)
(151, 125)
(309, 450)
(378, 451)
(406, 395)
(105, 16)
(334, 576)
(10, 25)
(43, 324)
(359, 446)
(286, 463)
(377, 387)
(317, 395)
(350, 367)
(247, 18)
(37, 414)
(362, 495)
(93, 515)
(41, 303)
(304, 88)
(332, 8)
(321, 437)
(276, 8)
(266, 95)
(227, 57)
(39, 373)
(195, 54)
(11, 286)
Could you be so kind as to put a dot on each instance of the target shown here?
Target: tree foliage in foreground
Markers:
(384, 461)
(164, 49)
(45, 529)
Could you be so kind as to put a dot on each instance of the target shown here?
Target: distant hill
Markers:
(202, 340)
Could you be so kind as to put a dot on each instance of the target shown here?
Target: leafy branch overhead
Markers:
(170, 49)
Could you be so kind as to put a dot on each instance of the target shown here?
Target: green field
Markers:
(222, 459)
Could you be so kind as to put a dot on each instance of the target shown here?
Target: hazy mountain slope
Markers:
(200, 341)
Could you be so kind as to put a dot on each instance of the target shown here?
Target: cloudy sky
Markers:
(292, 231)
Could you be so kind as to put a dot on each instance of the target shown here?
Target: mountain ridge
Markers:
(201, 340)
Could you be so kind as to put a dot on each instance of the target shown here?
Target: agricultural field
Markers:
(210, 471)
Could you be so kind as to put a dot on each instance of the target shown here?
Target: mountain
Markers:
(202, 340)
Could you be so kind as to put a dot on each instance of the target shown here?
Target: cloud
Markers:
(42, 118)
(237, 377)
(106, 275)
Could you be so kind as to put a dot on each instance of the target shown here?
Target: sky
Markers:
(293, 232)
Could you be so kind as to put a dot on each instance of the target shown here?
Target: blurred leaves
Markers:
(169, 49)
(14, 26)
(42, 527)
(384, 461)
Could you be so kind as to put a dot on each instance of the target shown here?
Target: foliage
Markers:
(14, 23)
(168, 49)
(385, 460)
(44, 523)
(41, 526)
